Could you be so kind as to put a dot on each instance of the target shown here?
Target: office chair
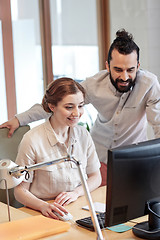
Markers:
(8, 150)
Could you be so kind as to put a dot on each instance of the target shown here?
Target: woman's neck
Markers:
(61, 132)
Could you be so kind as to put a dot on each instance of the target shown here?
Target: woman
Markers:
(57, 137)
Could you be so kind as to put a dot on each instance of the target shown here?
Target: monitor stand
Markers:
(151, 228)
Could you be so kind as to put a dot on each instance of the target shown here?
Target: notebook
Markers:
(34, 227)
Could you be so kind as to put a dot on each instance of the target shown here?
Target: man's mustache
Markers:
(129, 80)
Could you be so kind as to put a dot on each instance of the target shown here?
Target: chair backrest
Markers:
(9, 150)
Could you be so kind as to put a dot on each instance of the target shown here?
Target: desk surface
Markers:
(75, 232)
(16, 214)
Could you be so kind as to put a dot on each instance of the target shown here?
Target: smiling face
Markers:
(123, 70)
(68, 111)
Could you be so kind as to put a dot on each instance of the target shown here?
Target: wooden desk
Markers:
(16, 214)
(76, 232)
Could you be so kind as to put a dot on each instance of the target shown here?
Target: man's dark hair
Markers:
(124, 44)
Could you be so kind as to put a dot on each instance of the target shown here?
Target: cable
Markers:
(27, 175)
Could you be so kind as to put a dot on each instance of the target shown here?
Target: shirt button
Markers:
(115, 141)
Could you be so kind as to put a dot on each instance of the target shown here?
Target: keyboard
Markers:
(87, 222)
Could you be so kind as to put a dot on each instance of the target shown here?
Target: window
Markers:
(3, 103)
(27, 53)
(75, 42)
(75, 48)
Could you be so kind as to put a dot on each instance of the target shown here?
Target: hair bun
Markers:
(123, 34)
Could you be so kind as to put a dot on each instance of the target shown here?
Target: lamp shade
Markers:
(5, 166)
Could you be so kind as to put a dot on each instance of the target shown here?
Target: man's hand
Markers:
(12, 125)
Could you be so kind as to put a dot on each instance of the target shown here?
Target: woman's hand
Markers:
(64, 198)
(24, 196)
(48, 209)
(12, 125)
(93, 181)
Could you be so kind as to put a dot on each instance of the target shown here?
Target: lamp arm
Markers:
(18, 171)
(89, 199)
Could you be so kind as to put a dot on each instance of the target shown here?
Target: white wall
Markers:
(153, 10)
(141, 18)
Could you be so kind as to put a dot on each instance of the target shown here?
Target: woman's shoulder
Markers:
(81, 131)
(80, 127)
(34, 132)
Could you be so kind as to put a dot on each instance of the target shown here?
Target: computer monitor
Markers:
(133, 179)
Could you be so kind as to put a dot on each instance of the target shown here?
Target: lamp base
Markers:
(142, 230)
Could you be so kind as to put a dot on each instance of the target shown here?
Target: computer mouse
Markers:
(65, 217)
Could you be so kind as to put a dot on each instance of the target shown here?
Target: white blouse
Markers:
(41, 145)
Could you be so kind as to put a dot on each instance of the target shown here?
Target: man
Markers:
(124, 96)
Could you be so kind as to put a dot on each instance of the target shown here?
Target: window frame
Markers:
(46, 44)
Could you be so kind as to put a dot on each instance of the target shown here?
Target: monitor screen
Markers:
(133, 178)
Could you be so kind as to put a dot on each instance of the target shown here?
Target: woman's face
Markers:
(69, 110)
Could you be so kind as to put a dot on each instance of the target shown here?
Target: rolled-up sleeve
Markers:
(35, 113)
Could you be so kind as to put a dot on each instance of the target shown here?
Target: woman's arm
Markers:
(24, 196)
(93, 181)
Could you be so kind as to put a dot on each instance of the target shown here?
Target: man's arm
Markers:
(35, 113)
(153, 108)
(12, 125)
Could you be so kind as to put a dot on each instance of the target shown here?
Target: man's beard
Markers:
(122, 89)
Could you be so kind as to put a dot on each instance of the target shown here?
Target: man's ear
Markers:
(51, 106)
(138, 65)
(107, 66)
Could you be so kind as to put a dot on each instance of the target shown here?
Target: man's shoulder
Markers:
(146, 77)
(99, 76)
(96, 79)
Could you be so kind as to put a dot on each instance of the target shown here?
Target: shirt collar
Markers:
(53, 140)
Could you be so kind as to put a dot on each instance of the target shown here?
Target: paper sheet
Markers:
(98, 206)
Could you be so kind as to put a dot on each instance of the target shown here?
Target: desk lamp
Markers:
(12, 175)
